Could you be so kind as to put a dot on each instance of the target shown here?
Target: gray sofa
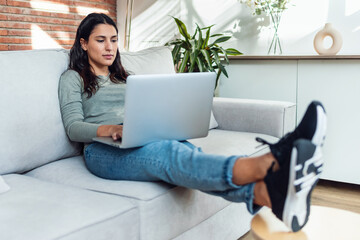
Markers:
(53, 196)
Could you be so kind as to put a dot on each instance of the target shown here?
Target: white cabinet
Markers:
(260, 79)
(335, 82)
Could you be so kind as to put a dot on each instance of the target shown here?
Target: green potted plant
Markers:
(198, 53)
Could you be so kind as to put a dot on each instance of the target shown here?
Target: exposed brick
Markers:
(3, 32)
(18, 16)
(15, 25)
(65, 42)
(63, 28)
(4, 47)
(15, 40)
(26, 4)
(19, 33)
(20, 47)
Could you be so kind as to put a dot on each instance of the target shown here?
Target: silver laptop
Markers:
(165, 106)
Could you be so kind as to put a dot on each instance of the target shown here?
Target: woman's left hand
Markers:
(114, 131)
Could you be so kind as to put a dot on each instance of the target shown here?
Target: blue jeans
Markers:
(177, 163)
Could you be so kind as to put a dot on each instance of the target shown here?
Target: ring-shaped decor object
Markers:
(328, 31)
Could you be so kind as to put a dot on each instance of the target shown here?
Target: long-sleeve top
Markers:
(82, 115)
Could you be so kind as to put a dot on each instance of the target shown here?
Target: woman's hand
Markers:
(114, 131)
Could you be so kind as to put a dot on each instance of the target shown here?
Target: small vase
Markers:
(328, 31)
(275, 46)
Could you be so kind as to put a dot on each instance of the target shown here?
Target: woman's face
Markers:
(101, 48)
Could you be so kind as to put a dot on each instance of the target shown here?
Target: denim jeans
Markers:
(177, 163)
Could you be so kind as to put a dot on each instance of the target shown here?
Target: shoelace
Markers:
(288, 137)
(281, 147)
(263, 142)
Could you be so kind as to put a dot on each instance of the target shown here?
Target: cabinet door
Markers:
(260, 79)
(336, 83)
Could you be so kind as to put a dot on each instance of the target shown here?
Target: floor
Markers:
(332, 194)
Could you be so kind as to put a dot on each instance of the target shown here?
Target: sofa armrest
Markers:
(274, 118)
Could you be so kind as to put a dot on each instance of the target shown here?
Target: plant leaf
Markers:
(216, 56)
(175, 51)
(200, 64)
(217, 35)
(225, 54)
(207, 27)
(206, 54)
(193, 57)
(207, 37)
(184, 62)
(223, 70)
(182, 28)
(221, 39)
(200, 39)
(196, 30)
(233, 52)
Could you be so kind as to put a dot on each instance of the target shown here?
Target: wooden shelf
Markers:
(293, 57)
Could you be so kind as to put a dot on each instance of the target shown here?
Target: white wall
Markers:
(151, 24)
(251, 33)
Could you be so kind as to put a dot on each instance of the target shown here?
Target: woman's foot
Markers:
(290, 188)
(312, 127)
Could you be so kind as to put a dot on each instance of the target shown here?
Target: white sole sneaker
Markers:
(312, 127)
(290, 187)
(305, 167)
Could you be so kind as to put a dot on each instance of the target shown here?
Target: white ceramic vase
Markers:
(328, 31)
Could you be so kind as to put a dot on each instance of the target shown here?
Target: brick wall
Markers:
(35, 24)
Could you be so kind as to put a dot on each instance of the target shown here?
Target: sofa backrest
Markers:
(31, 128)
(32, 133)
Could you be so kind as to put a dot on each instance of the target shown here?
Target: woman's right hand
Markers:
(114, 131)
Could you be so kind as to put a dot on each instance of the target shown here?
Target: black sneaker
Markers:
(290, 188)
(311, 127)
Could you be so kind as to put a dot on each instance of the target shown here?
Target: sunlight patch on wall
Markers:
(351, 7)
(154, 26)
(206, 12)
(356, 29)
(49, 6)
(301, 20)
(87, 10)
(41, 40)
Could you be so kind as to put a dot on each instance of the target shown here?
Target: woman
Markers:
(91, 96)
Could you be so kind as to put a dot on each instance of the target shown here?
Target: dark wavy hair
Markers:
(79, 59)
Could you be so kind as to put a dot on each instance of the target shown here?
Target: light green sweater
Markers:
(82, 115)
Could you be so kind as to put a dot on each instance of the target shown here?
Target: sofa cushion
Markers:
(156, 60)
(233, 143)
(229, 223)
(155, 199)
(30, 124)
(162, 207)
(34, 209)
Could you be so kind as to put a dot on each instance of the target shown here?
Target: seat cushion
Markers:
(165, 211)
(160, 204)
(233, 143)
(230, 223)
(34, 209)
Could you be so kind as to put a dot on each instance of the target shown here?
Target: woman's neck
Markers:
(103, 71)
